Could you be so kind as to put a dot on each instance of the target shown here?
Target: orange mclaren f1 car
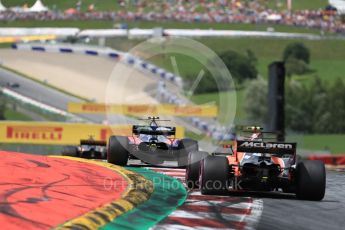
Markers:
(252, 164)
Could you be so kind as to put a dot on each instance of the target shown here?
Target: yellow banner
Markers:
(55, 133)
(11, 39)
(144, 110)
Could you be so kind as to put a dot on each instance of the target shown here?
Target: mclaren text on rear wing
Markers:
(149, 130)
(266, 147)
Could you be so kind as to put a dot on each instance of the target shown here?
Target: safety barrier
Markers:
(103, 33)
(329, 159)
(11, 39)
(61, 32)
(142, 110)
(60, 133)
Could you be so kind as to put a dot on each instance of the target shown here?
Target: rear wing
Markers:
(277, 148)
(93, 142)
(148, 130)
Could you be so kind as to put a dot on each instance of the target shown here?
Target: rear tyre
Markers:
(214, 175)
(71, 151)
(118, 150)
(186, 146)
(310, 180)
(193, 168)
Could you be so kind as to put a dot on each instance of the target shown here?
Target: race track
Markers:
(259, 210)
(285, 212)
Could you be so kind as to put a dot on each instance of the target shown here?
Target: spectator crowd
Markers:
(193, 11)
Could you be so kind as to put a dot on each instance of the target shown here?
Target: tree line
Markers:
(315, 108)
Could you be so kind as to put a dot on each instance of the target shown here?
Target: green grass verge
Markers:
(194, 136)
(325, 142)
(298, 5)
(222, 26)
(32, 149)
(12, 115)
(5, 45)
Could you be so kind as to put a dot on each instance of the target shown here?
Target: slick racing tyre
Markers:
(71, 151)
(193, 168)
(186, 146)
(310, 180)
(214, 175)
(118, 150)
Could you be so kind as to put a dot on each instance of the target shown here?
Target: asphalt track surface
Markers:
(259, 210)
(285, 212)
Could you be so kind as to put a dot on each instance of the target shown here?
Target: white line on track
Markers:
(241, 205)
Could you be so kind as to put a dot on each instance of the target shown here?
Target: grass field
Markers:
(327, 142)
(327, 56)
(12, 115)
(298, 5)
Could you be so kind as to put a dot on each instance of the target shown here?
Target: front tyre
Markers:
(118, 150)
(310, 180)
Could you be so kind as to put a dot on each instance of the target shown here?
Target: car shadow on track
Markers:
(271, 195)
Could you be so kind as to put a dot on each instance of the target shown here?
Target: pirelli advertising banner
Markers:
(11, 39)
(142, 110)
(54, 133)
